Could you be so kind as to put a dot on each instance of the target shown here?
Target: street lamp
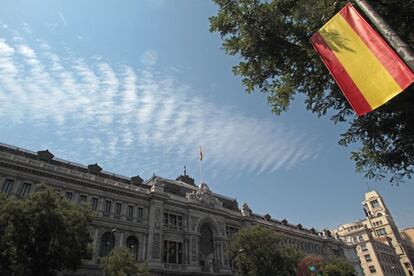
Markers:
(107, 253)
(131, 249)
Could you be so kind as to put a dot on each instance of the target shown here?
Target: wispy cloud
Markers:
(138, 116)
(27, 28)
(62, 18)
(149, 58)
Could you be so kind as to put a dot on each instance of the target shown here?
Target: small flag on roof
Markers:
(201, 154)
(364, 66)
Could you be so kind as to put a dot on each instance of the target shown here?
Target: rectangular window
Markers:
(69, 195)
(108, 204)
(381, 232)
(165, 252)
(172, 252)
(231, 231)
(140, 212)
(173, 221)
(83, 198)
(118, 207)
(375, 203)
(94, 203)
(372, 269)
(368, 258)
(25, 189)
(179, 252)
(364, 247)
(7, 186)
(130, 211)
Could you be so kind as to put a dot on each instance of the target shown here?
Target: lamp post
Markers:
(107, 253)
(131, 249)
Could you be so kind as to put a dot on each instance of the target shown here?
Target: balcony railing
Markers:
(176, 267)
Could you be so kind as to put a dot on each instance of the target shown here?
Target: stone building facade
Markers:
(175, 226)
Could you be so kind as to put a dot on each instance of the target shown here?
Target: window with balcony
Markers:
(83, 198)
(94, 203)
(25, 189)
(372, 269)
(130, 211)
(172, 221)
(118, 207)
(172, 252)
(69, 195)
(107, 209)
(231, 231)
(140, 212)
(7, 186)
(368, 258)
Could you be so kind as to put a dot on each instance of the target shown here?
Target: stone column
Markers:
(95, 243)
(155, 234)
(99, 210)
(121, 239)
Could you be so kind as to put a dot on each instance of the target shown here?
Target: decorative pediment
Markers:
(204, 196)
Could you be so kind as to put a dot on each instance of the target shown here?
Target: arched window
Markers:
(107, 243)
(132, 245)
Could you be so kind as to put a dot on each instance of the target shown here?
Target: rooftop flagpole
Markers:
(201, 166)
(402, 48)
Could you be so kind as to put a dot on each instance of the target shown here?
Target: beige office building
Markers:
(377, 256)
(377, 240)
(408, 235)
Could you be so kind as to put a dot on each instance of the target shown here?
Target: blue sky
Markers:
(137, 86)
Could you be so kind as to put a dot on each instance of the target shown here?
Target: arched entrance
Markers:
(132, 245)
(206, 247)
(107, 244)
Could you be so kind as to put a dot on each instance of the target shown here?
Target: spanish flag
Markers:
(363, 65)
(201, 154)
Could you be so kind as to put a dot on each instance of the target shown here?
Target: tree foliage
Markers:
(257, 251)
(42, 234)
(272, 39)
(314, 265)
(120, 262)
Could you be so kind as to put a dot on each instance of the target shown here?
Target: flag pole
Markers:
(201, 165)
(201, 172)
(402, 48)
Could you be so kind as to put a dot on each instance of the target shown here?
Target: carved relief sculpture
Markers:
(205, 197)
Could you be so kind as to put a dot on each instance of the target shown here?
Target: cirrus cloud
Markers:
(124, 115)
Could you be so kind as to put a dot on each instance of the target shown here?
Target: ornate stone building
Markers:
(175, 226)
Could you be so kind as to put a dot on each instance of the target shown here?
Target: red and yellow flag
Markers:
(364, 66)
(201, 154)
